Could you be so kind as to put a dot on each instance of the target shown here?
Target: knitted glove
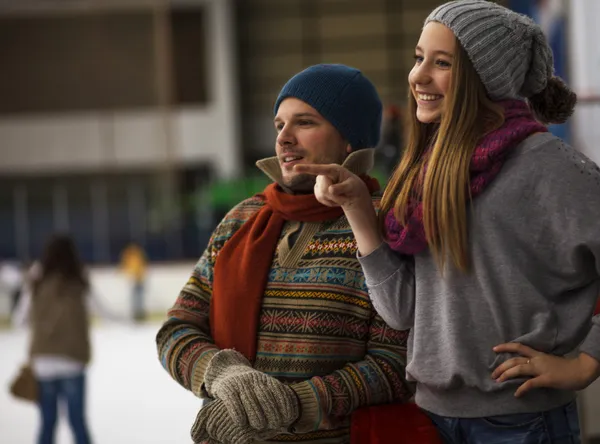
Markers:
(251, 397)
(213, 425)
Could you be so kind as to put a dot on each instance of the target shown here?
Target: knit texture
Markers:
(534, 246)
(214, 425)
(486, 162)
(508, 50)
(344, 96)
(317, 327)
(252, 398)
(250, 253)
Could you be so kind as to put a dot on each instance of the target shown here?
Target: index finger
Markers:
(331, 171)
(515, 347)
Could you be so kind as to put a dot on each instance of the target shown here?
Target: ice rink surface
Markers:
(130, 397)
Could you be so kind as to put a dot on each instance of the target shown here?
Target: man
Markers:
(275, 325)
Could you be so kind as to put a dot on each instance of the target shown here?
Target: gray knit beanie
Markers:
(511, 55)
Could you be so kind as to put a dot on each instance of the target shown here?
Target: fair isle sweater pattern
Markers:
(317, 326)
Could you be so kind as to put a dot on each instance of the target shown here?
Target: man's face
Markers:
(304, 136)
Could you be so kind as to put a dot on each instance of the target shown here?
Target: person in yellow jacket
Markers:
(133, 264)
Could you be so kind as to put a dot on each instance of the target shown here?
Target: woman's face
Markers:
(429, 80)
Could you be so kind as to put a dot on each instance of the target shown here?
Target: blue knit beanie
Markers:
(343, 96)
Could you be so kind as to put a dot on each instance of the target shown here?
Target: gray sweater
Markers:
(534, 237)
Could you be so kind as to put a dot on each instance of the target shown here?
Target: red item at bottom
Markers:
(392, 424)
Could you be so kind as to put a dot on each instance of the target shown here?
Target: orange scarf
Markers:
(242, 267)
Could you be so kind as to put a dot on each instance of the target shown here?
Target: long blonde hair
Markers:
(468, 115)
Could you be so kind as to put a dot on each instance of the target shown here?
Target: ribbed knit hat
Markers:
(508, 50)
(511, 55)
(343, 96)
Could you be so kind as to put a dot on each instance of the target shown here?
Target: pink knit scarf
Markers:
(487, 160)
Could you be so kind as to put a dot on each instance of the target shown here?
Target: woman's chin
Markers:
(429, 116)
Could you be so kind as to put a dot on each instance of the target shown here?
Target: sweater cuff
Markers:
(198, 373)
(379, 265)
(310, 409)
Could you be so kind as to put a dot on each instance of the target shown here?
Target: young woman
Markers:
(490, 250)
(57, 310)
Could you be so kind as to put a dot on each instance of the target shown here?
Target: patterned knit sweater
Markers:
(317, 328)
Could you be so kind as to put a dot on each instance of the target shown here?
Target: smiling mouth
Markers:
(428, 97)
(290, 160)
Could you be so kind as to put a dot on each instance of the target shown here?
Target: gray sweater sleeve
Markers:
(566, 210)
(591, 344)
(391, 282)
